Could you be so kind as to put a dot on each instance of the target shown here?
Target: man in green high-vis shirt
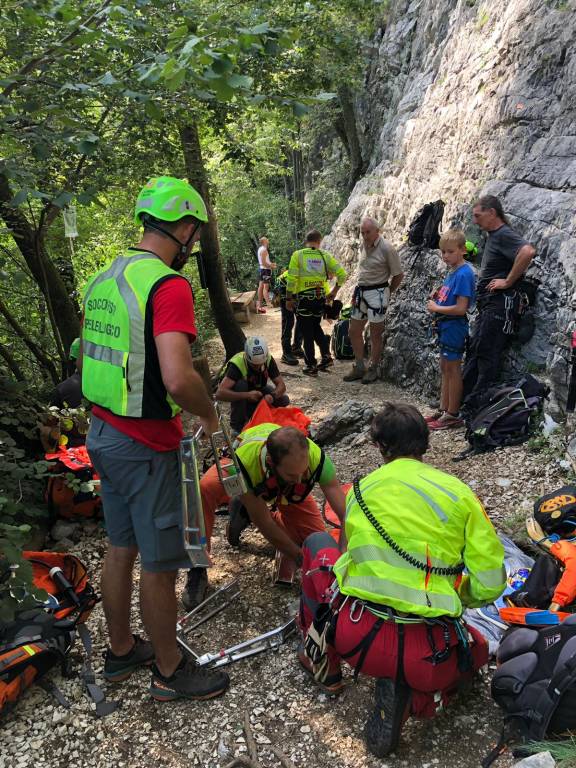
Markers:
(138, 323)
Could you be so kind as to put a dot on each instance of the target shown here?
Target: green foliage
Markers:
(16, 590)
(562, 750)
(92, 99)
(245, 213)
(21, 485)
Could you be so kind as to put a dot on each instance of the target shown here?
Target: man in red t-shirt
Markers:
(148, 303)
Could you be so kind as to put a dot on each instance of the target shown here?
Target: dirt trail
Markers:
(284, 707)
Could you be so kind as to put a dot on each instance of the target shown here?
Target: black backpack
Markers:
(535, 683)
(505, 416)
(424, 229)
(341, 346)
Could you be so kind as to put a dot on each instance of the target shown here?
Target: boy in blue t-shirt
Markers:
(450, 304)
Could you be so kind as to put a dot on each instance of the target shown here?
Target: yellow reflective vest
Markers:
(251, 454)
(434, 518)
(120, 368)
(310, 268)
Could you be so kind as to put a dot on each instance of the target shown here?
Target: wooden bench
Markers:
(241, 304)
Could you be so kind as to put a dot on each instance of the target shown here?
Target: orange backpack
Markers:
(62, 499)
(40, 638)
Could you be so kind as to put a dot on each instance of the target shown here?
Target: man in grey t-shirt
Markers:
(506, 258)
(379, 275)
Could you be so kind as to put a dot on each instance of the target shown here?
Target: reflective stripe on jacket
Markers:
(436, 519)
(120, 367)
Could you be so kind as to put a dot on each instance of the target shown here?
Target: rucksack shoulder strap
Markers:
(563, 678)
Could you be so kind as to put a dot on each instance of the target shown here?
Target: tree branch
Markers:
(11, 363)
(47, 54)
(30, 343)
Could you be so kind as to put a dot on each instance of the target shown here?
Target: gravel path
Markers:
(284, 708)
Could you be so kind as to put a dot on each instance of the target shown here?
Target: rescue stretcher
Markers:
(196, 546)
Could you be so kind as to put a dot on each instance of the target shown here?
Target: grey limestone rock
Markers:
(349, 419)
(540, 760)
(461, 99)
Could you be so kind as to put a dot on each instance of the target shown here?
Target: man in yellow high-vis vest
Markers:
(420, 548)
(138, 322)
(308, 272)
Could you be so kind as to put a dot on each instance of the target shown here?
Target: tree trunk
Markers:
(30, 242)
(298, 176)
(353, 148)
(11, 363)
(230, 332)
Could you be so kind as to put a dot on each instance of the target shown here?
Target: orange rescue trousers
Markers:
(298, 520)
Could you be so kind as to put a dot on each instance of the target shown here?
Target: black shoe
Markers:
(188, 681)
(325, 363)
(313, 371)
(289, 359)
(238, 522)
(384, 726)
(298, 353)
(117, 668)
(195, 589)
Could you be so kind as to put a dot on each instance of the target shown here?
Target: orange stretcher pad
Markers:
(564, 594)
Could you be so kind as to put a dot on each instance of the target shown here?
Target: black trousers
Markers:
(311, 329)
(487, 346)
(241, 410)
(288, 320)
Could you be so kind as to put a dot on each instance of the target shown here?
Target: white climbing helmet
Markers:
(256, 350)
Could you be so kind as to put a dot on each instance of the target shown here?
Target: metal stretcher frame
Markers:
(194, 527)
(196, 546)
(216, 603)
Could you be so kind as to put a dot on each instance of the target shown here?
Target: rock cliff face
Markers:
(465, 98)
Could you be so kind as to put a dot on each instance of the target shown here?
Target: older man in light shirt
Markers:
(379, 275)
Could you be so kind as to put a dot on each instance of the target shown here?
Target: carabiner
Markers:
(354, 607)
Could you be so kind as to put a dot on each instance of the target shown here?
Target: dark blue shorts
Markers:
(452, 335)
(141, 496)
(265, 275)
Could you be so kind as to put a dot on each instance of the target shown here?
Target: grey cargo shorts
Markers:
(141, 496)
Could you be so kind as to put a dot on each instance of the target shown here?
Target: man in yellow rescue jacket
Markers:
(250, 376)
(391, 604)
(138, 322)
(281, 466)
(308, 271)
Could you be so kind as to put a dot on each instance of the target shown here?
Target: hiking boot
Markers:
(289, 359)
(118, 668)
(446, 421)
(332, 684)
(356, 374)
(434, 417)
(371, 375)
(298, 352)
(188, 681)
(239, 521)
(325, 363)
(383, 727)
(195, 589)
(310, 371)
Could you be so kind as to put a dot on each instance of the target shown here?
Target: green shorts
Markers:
(141, 496)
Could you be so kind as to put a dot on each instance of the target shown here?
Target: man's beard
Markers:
(180, 261)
